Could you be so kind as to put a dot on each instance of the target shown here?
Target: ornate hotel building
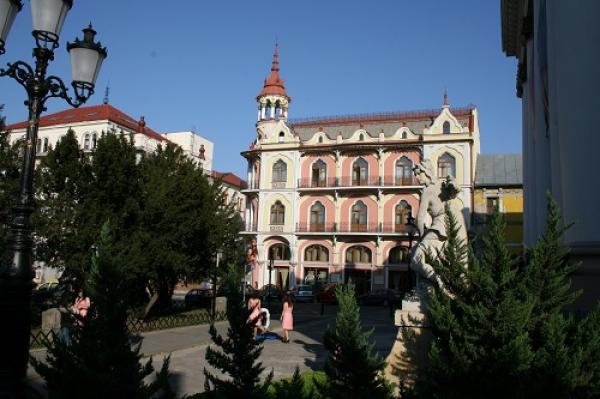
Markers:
(328, 199)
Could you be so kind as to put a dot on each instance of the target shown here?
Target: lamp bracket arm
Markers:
(19, 71)
(56, 88)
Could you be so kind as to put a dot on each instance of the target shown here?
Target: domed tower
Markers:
(273, 100)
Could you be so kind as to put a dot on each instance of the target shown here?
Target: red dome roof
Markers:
(274, 84)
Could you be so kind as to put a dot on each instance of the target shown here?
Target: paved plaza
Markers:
(187, 345)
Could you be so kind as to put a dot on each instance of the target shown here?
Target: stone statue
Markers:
(431, 221)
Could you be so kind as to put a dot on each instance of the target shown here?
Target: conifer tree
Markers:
(501, 330)
(294, 388)
(353, 368)
(99, 360)
(237, 354)
(479, 321)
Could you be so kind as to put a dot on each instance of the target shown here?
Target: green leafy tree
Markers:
(63, 184)
(9, 180)
(182, 222)
(76, 193)
(99, 360)
(236, 355)
(354, 369)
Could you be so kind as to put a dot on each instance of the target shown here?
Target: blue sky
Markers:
(199, 65)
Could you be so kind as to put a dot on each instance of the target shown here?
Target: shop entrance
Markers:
(359, 279)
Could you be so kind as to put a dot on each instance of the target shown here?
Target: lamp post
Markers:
(15, 270)
(411, 228)
(214, 301)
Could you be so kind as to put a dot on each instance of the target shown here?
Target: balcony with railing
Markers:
(351, 228)
(399, 181)
(306, 182)
(352, 182)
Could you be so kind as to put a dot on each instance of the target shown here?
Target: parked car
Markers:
(382, 297)
(304, 293)
(271, 291)
(198, 298)
(327, 293)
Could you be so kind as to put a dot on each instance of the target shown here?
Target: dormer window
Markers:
(446, 127)
(320, 139)
(361, 137)
(281, 137)
(404, 135)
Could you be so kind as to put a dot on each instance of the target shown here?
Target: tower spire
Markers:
(106, 91)
(446, 102)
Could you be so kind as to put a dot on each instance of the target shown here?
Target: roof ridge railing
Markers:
(376, 115)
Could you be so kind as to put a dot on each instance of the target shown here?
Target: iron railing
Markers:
(38, 339)
(305, 227)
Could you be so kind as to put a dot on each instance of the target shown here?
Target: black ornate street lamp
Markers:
(411, 231)
(16, 273)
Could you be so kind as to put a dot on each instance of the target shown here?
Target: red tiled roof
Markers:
(90, 114)
(274, 84)
(229, 178)
(426, 115)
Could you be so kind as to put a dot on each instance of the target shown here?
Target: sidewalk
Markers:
(187, 346)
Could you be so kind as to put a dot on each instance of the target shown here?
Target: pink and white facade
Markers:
(328, 198)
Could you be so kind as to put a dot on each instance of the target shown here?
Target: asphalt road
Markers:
(187, 345)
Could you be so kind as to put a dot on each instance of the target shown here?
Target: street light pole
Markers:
(214, 301)
(16, 273)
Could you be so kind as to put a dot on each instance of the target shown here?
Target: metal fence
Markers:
(39, 338)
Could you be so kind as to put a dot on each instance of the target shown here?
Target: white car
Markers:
(304, 293)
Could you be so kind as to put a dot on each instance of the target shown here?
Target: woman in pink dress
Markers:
(287, 319)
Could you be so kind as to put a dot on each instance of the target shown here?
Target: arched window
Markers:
(280, 172)
(404, 135)
(398, 255)
(86, 142)
(320, 139)
(360, 172)
(277, 109)
(45, 147)
(268, 108)
(361, 137)
(358, 254)
(94, 140)
(446, 127)
(281, 137)
(446, 166)
(404, 171)
(278, 213)
(316, 253)
(279, 252)
(317, 217)
(319, 173)
(402, 212)
(359, 217)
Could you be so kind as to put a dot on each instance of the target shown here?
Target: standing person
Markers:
(254, 307)
(287, 318)
(81, 304)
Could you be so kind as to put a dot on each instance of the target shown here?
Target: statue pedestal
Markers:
(411, 347)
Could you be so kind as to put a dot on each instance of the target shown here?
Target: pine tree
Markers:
(501, 330)
(294, 388)
(479, 321)
(353, 368)
(238, 353)
(563, 342)
(100, 361)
